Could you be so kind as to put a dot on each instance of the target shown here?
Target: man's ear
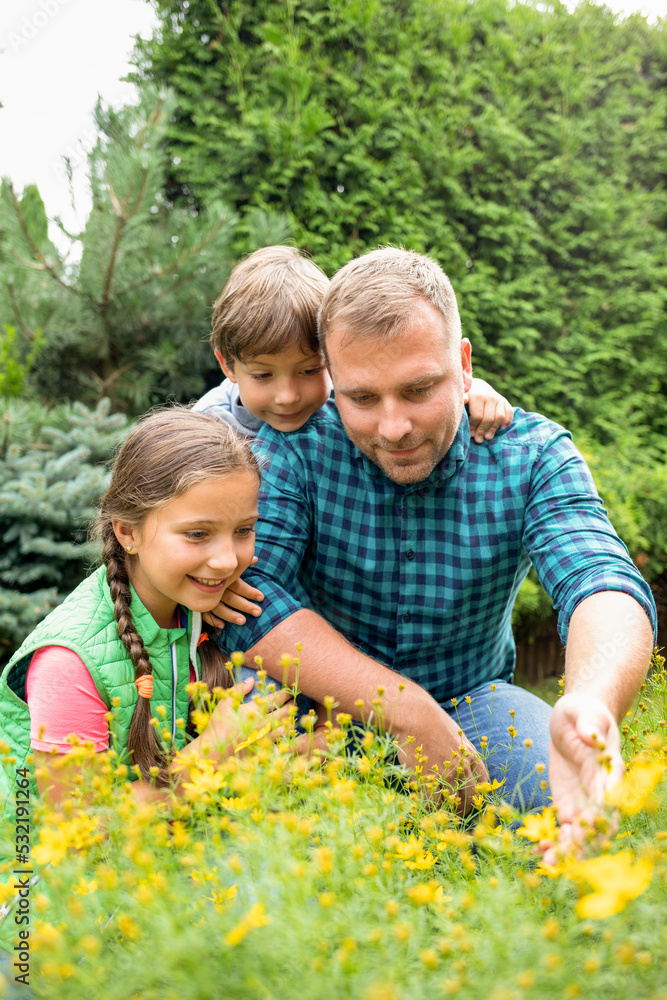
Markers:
(126, 535)
(227, 368)
(466, 364)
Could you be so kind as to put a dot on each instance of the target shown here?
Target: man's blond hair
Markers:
(374, 295)
(269, 305)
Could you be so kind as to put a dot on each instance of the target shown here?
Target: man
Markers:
(384, 527)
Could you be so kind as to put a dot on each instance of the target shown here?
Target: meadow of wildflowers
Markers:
(333, 878)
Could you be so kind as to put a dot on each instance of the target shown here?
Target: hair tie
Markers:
(145, 685)
(202, 638)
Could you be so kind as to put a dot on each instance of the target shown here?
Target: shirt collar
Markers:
(448, 466)
(244, 417)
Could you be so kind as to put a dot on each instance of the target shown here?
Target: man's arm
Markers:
(607, 657)
(329, 665)
(606, 614)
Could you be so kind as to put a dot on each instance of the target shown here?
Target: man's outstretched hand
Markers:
(585, 761)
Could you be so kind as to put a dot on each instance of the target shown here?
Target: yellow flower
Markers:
(615, 879)
(254, 918)
(239, 804)
(83, 888)
(455, 838)
(488, 786)
(428, 956)
(409, 849)
(204, 780)
(200, 720)
(633, 791)
(128, 928)
(422, 894)
(45, 936)
(422, 862)
(90, 943)
(179, 835)
(551, 871)
(540, 826)
(53, 846)
(323, 858)
(222, 898)
(254, 737)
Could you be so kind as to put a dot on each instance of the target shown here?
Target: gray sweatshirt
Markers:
(224, 402)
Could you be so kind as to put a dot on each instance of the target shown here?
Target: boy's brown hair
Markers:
(269, 303)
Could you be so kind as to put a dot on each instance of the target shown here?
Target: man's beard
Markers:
(402, 471)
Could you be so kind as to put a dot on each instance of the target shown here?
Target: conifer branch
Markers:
(23, 326)
(123, 213)
(43, 262)
(104, 384)
(164, 272)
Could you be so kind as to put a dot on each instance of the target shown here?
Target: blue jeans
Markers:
(488, 714)
(508, 759)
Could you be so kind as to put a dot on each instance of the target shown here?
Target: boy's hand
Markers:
(236, 598)
(487, 409)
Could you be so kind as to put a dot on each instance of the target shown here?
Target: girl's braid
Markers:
(142, 742)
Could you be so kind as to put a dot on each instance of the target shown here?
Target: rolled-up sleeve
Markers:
(569, 537)
(283, 536)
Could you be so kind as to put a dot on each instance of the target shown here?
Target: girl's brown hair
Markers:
(164, 455)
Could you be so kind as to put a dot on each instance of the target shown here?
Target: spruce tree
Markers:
(125, 312)
(52, 473)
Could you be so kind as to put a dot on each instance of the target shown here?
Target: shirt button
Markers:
(410, 554)
(407, 616)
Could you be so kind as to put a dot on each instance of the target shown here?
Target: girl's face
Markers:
(190, 550)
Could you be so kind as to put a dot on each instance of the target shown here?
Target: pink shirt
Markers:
(62, 699)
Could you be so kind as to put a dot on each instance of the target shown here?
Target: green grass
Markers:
(547, 689)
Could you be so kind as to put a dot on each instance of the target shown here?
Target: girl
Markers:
(177, 527)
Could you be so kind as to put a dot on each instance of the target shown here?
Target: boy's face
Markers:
(281, 389)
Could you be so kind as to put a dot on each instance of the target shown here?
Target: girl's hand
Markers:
(487, 410)
(230, 725)
(236, 598)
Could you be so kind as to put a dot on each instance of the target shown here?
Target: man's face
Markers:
(401, 401)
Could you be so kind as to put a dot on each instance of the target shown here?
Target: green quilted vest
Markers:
(84, 622)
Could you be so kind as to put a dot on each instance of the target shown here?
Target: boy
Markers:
(264, 335)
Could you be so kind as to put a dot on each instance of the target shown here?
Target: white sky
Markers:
(56, 56)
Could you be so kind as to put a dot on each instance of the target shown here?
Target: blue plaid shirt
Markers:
(423, 577)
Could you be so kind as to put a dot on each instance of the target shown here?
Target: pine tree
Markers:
(125, 312)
